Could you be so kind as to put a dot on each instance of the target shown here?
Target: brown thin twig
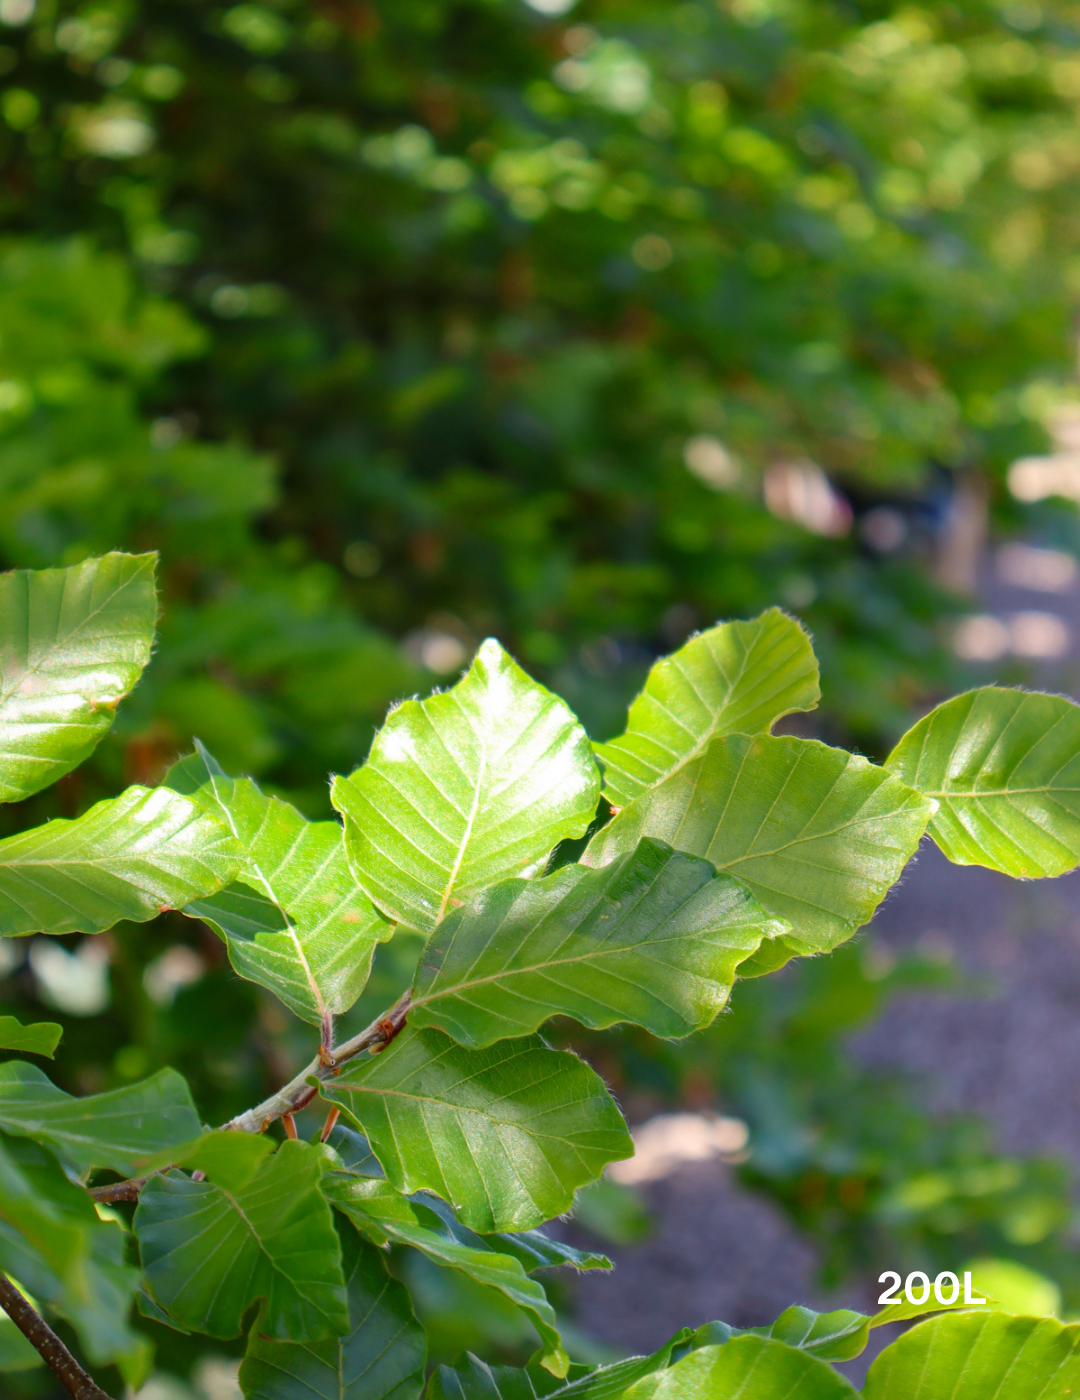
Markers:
(54, 1353)
(297, 1094)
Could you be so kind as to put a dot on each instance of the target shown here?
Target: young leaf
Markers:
(737, 678)
(129, 857)
(117, 1129)
(979, 1355)
(298, 925)
(209, 1253)
(228, 1159)
(464, 789)
(389, 1217)
(506, 1134)
(73, 642)
(380, 1357)
(819, 834)
(41, 1038)
(1003, 768)
(653, 938)
(754, 1367)
(54, 1244)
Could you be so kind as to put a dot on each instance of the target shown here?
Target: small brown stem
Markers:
(119, 1190)
(298, 1093)
(328, 1126)
(290, 1126)
(54, 1353)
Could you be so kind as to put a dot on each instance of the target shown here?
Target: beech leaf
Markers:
(297, 924)
(73, 642)
(818, 834)
(118, 1129)
(1003, 769)
(209, 1253)
(654, 938)
(129, 857)
(466, 788)
(506, 1134)
(736, 678)
(380, 1357)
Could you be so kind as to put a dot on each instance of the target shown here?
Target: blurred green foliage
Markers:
(444, 318)
(478, 274)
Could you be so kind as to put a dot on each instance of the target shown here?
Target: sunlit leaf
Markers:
(653, 938)
(129, 857)
(506, 1134)
(752, 1367)
(209, 1253)
(737, 678)
(819, 834)
(298, 924)
(464, 789)
(40, 1038)
(73, 642)
(1003, 768)
(380, 1357)
(980, 1356)
(117, 1129)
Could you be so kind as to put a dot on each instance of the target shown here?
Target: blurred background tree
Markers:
(398, 325)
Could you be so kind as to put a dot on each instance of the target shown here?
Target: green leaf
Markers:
(473, 1379)
(746, 1368)
(506, 1134)
(979, 1356)
(654, 938)
(819, 834)
(380, 1357)
(298, 925)
(73, 642)
(1003, 767)
(832, 1336)
(737, 678)
(118, 1129)
(53, 1243)
(228, 1159)
(386, 1216)
(209, 1253)
(130, 857)
(41, 1038)
(466, 788)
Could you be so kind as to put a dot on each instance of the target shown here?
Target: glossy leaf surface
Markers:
(746, 1368)
(653, 938)
(819, 835)
(209, 1253)
(979, 1355)
(129, 857)
(737, 678)
(118, 1129)
(40, 1038)
(298, 924)
(73, 642)
(381, 1357)
(1003, 767)
(464, 789)
(386, 1216)
(506, 1134)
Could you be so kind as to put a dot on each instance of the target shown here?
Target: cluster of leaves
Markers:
(478, 275)
(461, 1131)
